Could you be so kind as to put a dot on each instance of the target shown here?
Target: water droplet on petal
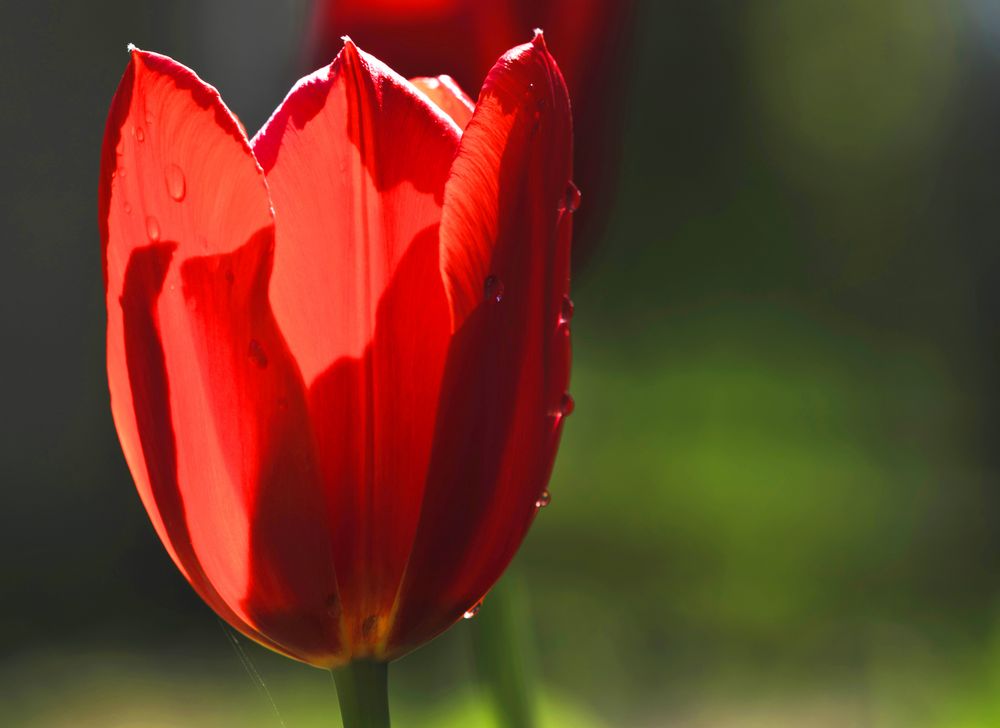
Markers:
(176, 185)
(256, 353)
(140, 135)
(567, 405)
(473, 610)
(368, 626)
(493, 289)
(149, 118)
(152, 228)
(563, 330)
(120, 149)
(566, 313)
(543, 500)
(128, 208)
(570, 201)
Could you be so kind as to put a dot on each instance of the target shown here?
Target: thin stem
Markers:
(502, 654)
(363, 691)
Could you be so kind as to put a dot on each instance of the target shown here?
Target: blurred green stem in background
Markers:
(503, 660)
(363, 692)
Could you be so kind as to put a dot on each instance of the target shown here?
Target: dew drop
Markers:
(567, 405)
(128, 208)
(149, 118)
(368, 626)
(563, 330)
(120, 149)
(256, 353)
(493, 289)
(176, 185)
(152, 228)
(140, 135)
(473, 610)
(566, 312)
(570, 201)
(543, 500)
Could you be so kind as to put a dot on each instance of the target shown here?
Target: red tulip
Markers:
(590, 38)
(338, 352)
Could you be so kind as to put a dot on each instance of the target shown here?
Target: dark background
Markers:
(776, 503)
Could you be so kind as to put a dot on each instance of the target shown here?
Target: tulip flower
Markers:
(338, 352)
(591, 39)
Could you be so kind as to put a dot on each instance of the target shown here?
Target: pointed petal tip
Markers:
(350, 52)
(539, 38)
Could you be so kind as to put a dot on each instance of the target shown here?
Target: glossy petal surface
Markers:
(336, 354)
(505, 260)
(200, 419)
(447, 95)
(357, 161)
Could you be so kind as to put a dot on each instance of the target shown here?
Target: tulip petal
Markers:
(356, 164)
(505, 259)
(188, 234)
(449, 97)
(356, 161)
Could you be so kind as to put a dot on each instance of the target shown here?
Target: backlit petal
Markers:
(188, 238)
(356, 161)
(451, 99)
(505, 260)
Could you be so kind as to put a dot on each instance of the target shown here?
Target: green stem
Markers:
(363, 691)
(502, 654)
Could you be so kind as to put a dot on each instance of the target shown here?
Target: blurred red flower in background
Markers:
(338, 353)
(463, 38)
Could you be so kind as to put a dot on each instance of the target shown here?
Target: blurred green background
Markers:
(776, 503)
